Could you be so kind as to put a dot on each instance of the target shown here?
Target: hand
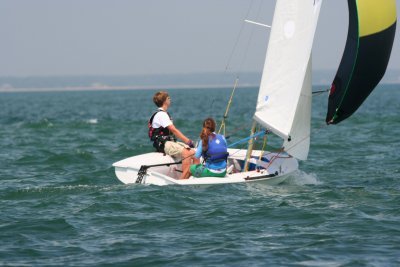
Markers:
(190, 143)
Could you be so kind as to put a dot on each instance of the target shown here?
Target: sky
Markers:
(146, 37)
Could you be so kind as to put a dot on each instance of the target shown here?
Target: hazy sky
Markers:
(129, 37)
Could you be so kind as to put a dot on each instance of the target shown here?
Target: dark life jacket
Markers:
(217, 149)
(159, 135)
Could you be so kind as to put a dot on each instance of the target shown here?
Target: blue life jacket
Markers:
(217, 149)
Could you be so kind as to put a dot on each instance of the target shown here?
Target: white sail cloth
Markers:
(284, 100)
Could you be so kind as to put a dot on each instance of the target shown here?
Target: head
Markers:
(208, 129)
(160, 98)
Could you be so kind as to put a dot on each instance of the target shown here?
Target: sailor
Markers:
(214, 149)
(163, 133)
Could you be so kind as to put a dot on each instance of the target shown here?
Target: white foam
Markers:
(92, 121)
(303, 178)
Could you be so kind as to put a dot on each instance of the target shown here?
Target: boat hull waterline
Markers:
(273, 168)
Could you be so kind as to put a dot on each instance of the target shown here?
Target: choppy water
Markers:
(61, 204)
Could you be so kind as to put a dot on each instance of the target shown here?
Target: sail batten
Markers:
(287, 74)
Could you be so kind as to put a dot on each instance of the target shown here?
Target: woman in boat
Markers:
(163, 133)
(214, 150)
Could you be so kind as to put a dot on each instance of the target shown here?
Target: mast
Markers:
(250, 147)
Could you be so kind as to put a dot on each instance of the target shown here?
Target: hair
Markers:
(208, 129)
(159, 98)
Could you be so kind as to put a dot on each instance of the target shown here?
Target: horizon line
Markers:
(150, 74)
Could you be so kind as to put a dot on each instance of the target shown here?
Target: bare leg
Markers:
(187, 155)
(196, 161)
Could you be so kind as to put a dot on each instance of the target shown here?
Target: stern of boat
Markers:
(127, 169)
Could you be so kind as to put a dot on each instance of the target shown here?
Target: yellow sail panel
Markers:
(375, 15)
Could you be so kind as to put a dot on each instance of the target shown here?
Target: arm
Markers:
(178, 133)
(162, 119)
(199, 150)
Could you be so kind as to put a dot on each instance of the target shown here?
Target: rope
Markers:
(244, 58)
(282, 149)
(228, 106)
(247, 138)
(249, 40)
(263, 147)
(279, 151)
(317, 130)
(238, 37)
(320, 92)
(236, 130)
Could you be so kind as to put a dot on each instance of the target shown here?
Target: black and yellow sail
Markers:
(372, 27)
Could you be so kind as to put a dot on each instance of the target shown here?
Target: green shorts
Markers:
(199, 170)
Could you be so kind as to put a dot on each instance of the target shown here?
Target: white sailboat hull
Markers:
(273, 169)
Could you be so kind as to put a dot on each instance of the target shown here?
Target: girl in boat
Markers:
(214, 149)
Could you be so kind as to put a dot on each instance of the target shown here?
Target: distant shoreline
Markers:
(9, 84)
(140, 87)
(120, 88)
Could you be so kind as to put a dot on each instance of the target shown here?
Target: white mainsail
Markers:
(284, 99)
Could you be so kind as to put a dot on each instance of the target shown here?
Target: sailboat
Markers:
(284, 99)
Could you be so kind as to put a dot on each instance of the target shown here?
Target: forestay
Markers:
(284, 100)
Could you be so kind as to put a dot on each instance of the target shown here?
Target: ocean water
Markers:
(61, 204)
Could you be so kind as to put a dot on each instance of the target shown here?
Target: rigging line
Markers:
(228, 64)
(237, 129)
(320, 92)
(244, 146)
(249, 40)
(227, 107)
(239, 149)
(263, 147)
(238, 37)
(274, 157)
(307, 136)
(247, 138)
(223, 125)
(280, 150)
(257, 23)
